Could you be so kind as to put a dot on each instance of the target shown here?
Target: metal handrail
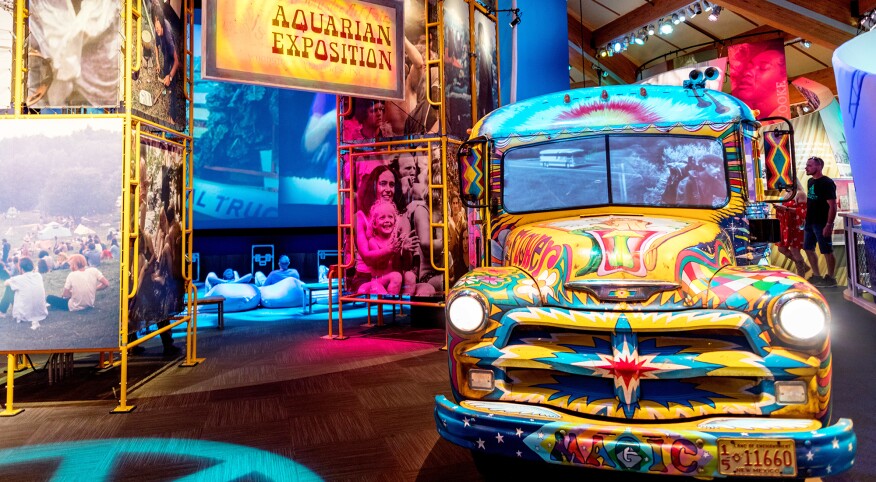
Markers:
(860, 232)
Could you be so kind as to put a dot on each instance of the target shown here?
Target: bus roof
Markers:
(610, 108)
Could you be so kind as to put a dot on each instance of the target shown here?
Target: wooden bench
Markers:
(219, 301)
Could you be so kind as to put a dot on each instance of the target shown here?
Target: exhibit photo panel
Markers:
(394, 242)
(457, 68)
(158, 86)
(61, 214)
(487, 65)
(368, 119)
(160, 285)
(7, 26)
(759, 77)
(74, 55)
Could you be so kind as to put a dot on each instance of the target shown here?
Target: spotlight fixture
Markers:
(603, 52)
(682, 15)
(805, 43)
(617, 46)
(675, 19)
(516, 20)
(696, 9)
(665, 27)
(640, 37)
(716, 10)
(651, 29)
(707, 6)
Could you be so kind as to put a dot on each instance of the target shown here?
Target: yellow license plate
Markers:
(757, 457)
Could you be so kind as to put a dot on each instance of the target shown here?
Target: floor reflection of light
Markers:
(95, 460)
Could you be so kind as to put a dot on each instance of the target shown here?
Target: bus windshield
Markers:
(638, 170)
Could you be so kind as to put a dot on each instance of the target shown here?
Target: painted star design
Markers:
(519, 453)
(500, 438)
(481, 444)
(744, 434)
(465, 422)
(540, 435)
(628, 368)
(835, 443)
(490, 415)
(851, 446)
(809, 455)
(829, 469)
(519, 432)
(444, 422)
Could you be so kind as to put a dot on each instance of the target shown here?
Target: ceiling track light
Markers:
(666, 27)
(805, 43)
(716, 10)
(650, 29)
(707, 7)
(675, 19)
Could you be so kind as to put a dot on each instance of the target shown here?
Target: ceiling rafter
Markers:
(648, 13)
(797, 22)
(617, 64)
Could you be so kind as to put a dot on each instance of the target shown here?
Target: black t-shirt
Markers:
(818, 193)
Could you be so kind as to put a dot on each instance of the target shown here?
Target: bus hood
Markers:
(591, 262)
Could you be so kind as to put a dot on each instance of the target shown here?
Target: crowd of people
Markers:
(24, 289)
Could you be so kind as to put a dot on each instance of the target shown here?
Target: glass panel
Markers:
(556, 175)
(667, 171)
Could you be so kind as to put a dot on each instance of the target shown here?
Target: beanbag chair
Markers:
(238, 297)
(283, 294)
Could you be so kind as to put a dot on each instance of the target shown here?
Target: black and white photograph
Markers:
(370, 119)
(457, 68)
(487, 76)
(59, 222)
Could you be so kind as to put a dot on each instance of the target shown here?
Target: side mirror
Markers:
(473, 158)
(778, 147)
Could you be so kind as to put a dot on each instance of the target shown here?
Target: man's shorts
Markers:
(814, 233)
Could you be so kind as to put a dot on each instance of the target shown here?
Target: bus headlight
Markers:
(467, 312)
(799, 318)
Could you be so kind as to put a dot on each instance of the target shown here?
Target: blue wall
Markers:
(542, 48)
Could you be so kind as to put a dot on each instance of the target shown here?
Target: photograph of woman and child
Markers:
(395, 243)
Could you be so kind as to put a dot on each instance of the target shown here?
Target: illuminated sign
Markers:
(347, 47)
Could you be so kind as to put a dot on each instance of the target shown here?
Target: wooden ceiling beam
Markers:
(839, 10)
(617, 64)
(791, 21)
(648, 13)
(865, 6)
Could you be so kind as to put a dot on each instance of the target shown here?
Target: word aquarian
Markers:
(309, 32)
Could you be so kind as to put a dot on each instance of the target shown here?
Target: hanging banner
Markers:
(457, 70)
(347, 47)
(6, 24)
(759, 77)
(817, 95)
(413, 115)
(74, 56)
(487, 68)
(678, 76)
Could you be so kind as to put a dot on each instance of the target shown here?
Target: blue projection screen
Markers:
(264, 157)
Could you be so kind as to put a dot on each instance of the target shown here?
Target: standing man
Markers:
(6, 248)
(820, 214)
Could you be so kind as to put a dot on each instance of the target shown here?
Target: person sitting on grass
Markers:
(80, 288)
(28, 304)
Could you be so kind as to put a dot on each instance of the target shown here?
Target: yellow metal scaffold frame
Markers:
(347, 153)
(133, 131)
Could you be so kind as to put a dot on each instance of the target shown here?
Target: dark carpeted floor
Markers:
(276, 401)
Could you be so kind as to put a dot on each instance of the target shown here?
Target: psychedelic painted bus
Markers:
(617, 315)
